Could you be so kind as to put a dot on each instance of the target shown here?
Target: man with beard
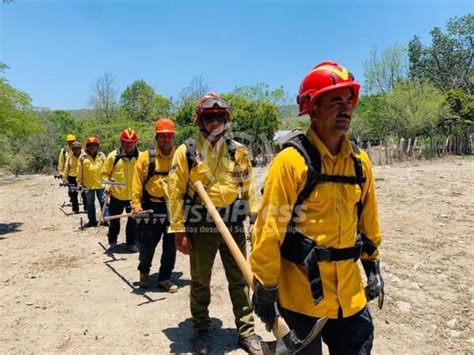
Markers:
(305, 261)
(224, 167)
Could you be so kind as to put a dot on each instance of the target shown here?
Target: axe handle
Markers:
(279, 328)
(104, 207)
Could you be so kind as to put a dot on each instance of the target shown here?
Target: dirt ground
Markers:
(61, 293)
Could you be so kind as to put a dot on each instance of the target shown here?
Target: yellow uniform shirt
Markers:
(89, 170)
(156, 183)
(222, 185)
(330, 219)
(63, 154)
(70, 166)
(121, 172)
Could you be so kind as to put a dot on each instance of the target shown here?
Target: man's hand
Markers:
(252, 219)
(183, 243)
(264, 301)
(199, 173)
(137, 210)
(375, 282)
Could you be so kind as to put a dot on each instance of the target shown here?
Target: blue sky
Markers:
(57, 49)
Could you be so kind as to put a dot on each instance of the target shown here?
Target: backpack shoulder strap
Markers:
(151, 164)
(190, 144)
(359, 174)
(118, 156)
(312, 159)
(231, 147)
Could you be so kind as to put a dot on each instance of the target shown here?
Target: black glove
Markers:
(375, 283)
(264, 301)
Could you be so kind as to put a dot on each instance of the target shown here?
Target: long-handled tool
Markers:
(287, 340)
(104, 207)
(141, 214)
(112, 183)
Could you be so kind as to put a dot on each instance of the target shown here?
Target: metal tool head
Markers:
(290, 343)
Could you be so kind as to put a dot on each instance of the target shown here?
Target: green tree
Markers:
(415, 109)
(254, 121)
(104, 97)
(163, 106)
(382, 71)
(448, 62)
(138, 101)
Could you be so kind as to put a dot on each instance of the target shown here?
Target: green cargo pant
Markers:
(206, 241)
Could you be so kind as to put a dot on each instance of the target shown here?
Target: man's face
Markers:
(332, 112)
(92, 149)
(165, 141)
(129, 147)
(213, 123)
(69, 143)
(76, 151)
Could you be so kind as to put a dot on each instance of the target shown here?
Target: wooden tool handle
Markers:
(279, 328)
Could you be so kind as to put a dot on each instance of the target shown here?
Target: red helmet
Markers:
(164, 125)
(92, 140)
(129, 135)
(324, 77)
(211, 103)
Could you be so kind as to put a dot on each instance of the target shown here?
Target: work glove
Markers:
(264, 302)
(375, 283)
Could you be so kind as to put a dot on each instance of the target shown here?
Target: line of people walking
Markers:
(317, 218)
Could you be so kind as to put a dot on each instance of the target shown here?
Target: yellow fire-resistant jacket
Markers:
(121, 172)
(222, 185)
(70, 165)
(157, 184)
(89, 170)
(330, 220)
(63, 154)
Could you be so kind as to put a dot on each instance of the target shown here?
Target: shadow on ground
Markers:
(223, 340)
(12, 227)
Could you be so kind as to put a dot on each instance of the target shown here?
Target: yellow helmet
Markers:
(70, 138)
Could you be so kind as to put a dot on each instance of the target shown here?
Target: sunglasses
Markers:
(206, 119)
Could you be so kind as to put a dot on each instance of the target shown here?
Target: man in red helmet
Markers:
(224, 167)
(318, 217)
(150, 183)
(119, 167)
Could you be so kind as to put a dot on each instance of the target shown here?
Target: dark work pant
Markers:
(91, 215)
(206, 242)
(343, 336)
(116, 207)
(150, 233)
(71, 180)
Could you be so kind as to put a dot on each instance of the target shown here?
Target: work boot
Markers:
(132, 248)
(202, 342)
(90, 224)
(168, 286)
(251, 344)
(144, 280)
(112, 245)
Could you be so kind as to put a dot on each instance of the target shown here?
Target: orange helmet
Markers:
(211, 103)
(92, 140)
(129, 135)
(164, 125)
(324, 77)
